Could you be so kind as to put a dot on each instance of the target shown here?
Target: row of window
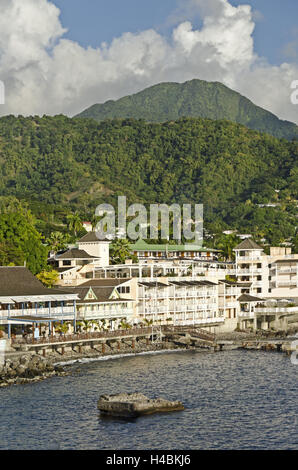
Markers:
(123, 289)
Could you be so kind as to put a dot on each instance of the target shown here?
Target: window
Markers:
(124, 290)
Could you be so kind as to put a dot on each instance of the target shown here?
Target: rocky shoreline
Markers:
(22, 368)
(28, 369)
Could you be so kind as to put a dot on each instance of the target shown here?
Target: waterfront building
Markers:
(179, 284)
(228, 303)
(273, 275)
(264, 313)
(25, 301)
(106, 303)
(178, 301)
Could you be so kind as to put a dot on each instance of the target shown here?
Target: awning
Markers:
(44, 298)
(6, 300)
(34, 319)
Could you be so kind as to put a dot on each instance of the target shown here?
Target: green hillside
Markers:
(60, 165)
(196, 98)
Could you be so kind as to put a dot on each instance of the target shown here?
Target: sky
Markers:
(62, 56)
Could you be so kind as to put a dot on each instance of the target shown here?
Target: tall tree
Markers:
(74, 223)
(49, 278)
(120, 251)
(22, 241)
(57, 241)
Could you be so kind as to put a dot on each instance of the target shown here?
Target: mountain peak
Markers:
(170, 101)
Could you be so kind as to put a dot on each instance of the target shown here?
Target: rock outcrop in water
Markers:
(130, 405)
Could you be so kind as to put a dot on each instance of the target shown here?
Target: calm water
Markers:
(234, 400)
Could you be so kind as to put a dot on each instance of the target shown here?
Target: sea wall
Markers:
(26, 367)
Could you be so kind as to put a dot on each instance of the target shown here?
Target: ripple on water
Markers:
(233, 400)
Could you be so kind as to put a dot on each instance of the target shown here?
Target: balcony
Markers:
(246, 314)
(40, 312)
(293, 283)
(276, 310)
(240, 259)
(93, 315)
(285, 271)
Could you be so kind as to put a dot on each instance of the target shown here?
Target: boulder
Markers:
(24, 360)
(20, 370)
(130, 405)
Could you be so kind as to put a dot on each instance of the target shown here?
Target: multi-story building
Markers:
(143, 250)
(25, 301)
(252, 268)
(106, 302)
(273, 275)
(179, 301)
(78, 263)
(283, 273)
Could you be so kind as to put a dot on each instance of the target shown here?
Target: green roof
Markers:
(142, 245)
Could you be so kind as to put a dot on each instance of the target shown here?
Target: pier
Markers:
(114, 339)
(102, 342)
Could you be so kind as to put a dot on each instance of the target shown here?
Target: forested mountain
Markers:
(60, 165)
(196, 98)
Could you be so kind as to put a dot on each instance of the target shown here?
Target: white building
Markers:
(274, 275)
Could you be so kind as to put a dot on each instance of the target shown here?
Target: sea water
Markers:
(233, 400)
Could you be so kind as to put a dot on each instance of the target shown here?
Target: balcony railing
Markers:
(275, 310)
(39, 312)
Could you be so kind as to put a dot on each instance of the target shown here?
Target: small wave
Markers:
(86, 360)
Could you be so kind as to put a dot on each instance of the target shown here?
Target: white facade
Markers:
(273, 275)
(99, 249)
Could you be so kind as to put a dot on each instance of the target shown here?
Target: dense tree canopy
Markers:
(61, 166)
(20, 242)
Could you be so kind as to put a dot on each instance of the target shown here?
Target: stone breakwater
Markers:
(23, 367)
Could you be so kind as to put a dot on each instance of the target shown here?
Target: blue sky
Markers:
(62, 56)
(90, 22)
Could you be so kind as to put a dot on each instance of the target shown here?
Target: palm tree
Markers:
(87, 325)
(79, 325)
(64, 328)
(94, 221)
(124, 325)
(120, 251)
(226, 245)
(57, 241)
(95, 324)
(74, 223)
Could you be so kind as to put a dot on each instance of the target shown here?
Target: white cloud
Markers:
(47, 74)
